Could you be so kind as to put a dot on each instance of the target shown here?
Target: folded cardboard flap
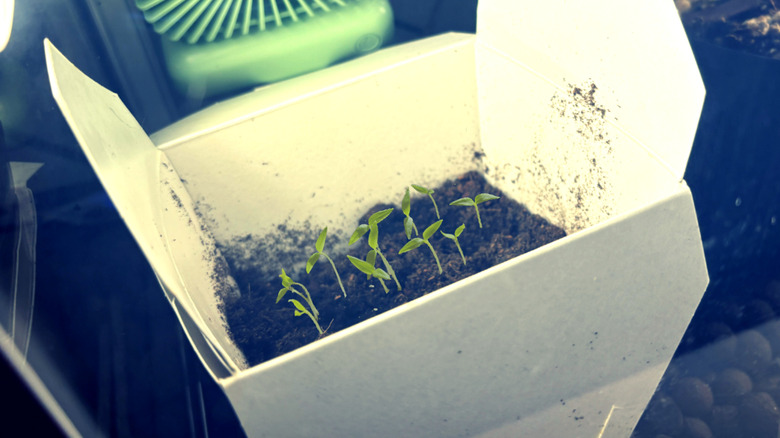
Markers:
(149, 196)
(636, 53)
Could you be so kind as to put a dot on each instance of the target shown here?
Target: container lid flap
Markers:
(151, 199)
(636, 53)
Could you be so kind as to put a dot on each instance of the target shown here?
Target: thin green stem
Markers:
(314, 320)
(434, 255)
(478, 219)
(384, 286)
(389, 268)
(337, 274)
(460, 251)
(435, 206)
(307, 298)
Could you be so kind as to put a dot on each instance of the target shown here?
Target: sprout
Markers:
(319, 246)
(289, 284)
(428, 192)
(373, 238)
(426, 235)
(454, 238)
(467, 202)
(367, 267)
(409, 225)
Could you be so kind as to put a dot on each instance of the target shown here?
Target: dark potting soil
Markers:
(264, 329)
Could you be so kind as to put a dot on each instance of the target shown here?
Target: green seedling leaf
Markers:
(482, 197)
(406, 203)
(300, 309)
(416, 242)
(429, 192)
(362, 265)
(409, 226)
(373, 236)
(368, 268)
(431, 230)
(282, 292)
(371, 259)
(410, 245)
(422, 189)
(381, 274)
(358, 233)
(466, 202)
(287, 282)
(312, 260)
(459, 230)
(454, 238)
(379, 216)
(320, 245)
(406, 206)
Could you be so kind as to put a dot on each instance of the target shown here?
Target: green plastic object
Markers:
(217, 46)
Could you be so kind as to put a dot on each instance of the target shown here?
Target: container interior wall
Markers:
(327, 158)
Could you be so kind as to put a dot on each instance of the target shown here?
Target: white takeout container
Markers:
(584, 111)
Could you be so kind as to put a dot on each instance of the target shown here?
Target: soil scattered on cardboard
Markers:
(264, 329)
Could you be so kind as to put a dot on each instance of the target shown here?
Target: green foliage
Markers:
(367, 267)
(319, 246)
(417, 242)
(289, 286)
(409, 226)
(373, 239)
(468, 202)
(454, 238)
(429, 192)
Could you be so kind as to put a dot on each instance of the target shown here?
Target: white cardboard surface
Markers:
(637, 54)
(144, 188)
(586, 320)
(592, 319)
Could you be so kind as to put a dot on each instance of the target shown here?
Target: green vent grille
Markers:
(197, 21)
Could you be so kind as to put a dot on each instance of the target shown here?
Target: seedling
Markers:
(428, 192)
(367, 267)
(373, 239)
(454, 238)
(300, 309)
(409, 226)
(426, 235)
(467, 202)
(319, 246)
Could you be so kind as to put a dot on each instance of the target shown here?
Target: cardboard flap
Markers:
(152, 201)
(636, 54)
